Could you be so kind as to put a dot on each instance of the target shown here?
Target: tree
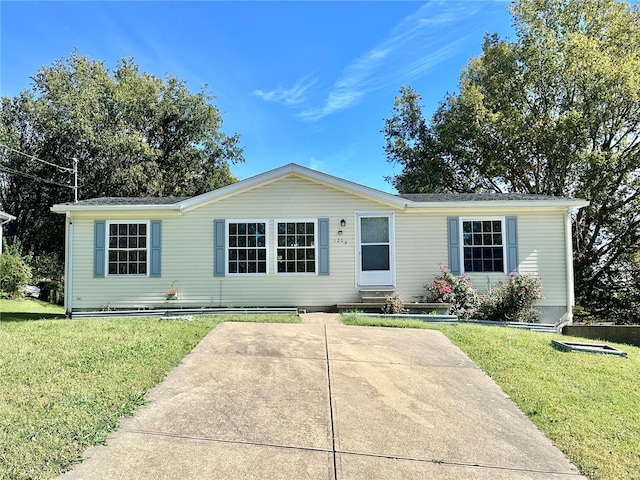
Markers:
(133, 134)
(15, 272)
(556, 112)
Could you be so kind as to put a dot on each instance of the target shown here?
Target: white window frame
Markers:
(108, 224)
(275, 244)
(503, 225)
(227, 247)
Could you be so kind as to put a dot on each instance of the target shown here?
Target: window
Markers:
(127, 253)
(296, 247)
(247, 247)
(483, 245)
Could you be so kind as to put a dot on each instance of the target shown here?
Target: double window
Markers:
(127, 248)
(483, 245)
(247, 244)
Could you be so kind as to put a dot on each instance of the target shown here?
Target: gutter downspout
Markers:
(568, 240)
(68, 274)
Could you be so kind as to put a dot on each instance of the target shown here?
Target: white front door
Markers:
(375, 249)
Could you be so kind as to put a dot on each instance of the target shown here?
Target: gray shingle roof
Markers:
(471, 197)
(105, 201)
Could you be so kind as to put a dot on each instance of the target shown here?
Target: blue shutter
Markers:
(218, 248)
(323, 246)
(453, 235)
(156, 248)
(99, 239)
(512, 244)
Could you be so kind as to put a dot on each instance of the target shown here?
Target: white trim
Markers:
(106, 247)
(502, 220)
(568, 240)
(474, 204)
(276, 246)
(5, 218)
(65, 207)
(226, 246)
(392, 248)
(68, 277)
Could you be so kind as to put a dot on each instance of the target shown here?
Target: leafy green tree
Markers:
(555, 112)
(134, 134)
(15, 272)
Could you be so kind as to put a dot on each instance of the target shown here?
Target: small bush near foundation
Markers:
(394, 305)
(456, 290)
(513, 300)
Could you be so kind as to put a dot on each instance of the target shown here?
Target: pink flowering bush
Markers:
(513, 300)
(456, 290)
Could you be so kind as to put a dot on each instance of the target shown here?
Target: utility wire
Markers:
(33, 177)
(66, 169)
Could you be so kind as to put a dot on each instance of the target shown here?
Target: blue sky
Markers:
(303, 82)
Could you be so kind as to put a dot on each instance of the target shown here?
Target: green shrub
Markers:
(393, 304)
(456, 290)
(49, 289)
(15, 272)
(513, 300)
(47, 266)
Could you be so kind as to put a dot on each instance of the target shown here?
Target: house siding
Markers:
(422, 244)
(188, 251)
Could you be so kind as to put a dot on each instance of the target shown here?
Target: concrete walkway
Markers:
(321, 400)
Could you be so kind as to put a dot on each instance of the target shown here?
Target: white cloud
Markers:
(317, 165)
(418, 43)
(288, 96)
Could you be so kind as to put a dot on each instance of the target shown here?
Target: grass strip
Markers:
(64, 384)
(587, 404)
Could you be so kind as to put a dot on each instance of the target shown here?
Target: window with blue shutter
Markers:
(487, 244)
(296, 246)
(128, 248)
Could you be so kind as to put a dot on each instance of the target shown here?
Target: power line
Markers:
(73, 170)
(33, 177)
(65, 169)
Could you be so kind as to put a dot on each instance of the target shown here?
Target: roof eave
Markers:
(64, 208)
(564, 203)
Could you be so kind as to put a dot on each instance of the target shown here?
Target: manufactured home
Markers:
(297, 237)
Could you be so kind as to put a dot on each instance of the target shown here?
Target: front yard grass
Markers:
(588, 405)
(28, 309)
(65, 383)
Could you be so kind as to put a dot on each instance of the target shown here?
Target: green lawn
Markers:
(588, 405)
(65, 383)
(28, 309)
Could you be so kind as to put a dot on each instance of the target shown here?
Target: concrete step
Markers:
(376, 294)
(368, 299)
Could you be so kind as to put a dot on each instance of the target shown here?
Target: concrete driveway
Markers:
(325, 401)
